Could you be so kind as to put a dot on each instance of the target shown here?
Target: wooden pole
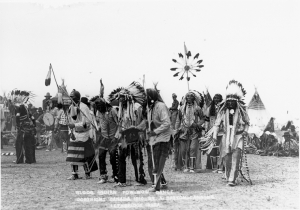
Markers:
(54, 76)
(149, 129)
(73, 101)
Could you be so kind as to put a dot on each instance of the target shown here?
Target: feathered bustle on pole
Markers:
(48, 78)
(101, 89)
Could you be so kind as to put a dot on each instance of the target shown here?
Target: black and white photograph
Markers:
(170, 104)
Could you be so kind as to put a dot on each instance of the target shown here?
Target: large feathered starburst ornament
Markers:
(188, 65)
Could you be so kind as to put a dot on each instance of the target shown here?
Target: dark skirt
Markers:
(80, 153)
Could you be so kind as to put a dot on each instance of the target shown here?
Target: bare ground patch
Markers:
(44, 186)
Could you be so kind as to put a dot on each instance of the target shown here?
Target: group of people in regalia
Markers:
(143, 123)
(222, 125)
(140, 122)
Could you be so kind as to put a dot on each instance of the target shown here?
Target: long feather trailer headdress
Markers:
(134, 92)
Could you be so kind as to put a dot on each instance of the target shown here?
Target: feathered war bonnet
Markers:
(19, 97)
(199, 100)
(235, 91)
(132, 94)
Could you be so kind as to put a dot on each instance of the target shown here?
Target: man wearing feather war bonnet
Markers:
(236, 122)
(25, 124)
(129, 126)
(189, 125)
(80, 150)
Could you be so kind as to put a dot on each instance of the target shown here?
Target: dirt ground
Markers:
(44, 186)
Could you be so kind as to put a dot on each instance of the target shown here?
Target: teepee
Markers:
(65, 95)
(257, 112)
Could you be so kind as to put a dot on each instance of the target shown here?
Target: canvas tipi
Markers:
(257, 112)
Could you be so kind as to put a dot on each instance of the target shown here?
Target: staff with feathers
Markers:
(48, 82)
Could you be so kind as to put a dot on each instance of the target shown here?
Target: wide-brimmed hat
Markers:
(48, 95)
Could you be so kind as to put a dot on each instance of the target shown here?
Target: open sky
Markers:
(254, 42)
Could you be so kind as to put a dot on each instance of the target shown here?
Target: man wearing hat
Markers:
(47, 98)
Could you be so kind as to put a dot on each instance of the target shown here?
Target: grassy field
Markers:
(44, 186)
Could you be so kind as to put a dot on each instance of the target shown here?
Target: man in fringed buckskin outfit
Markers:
(189, 124)
(236, 123)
